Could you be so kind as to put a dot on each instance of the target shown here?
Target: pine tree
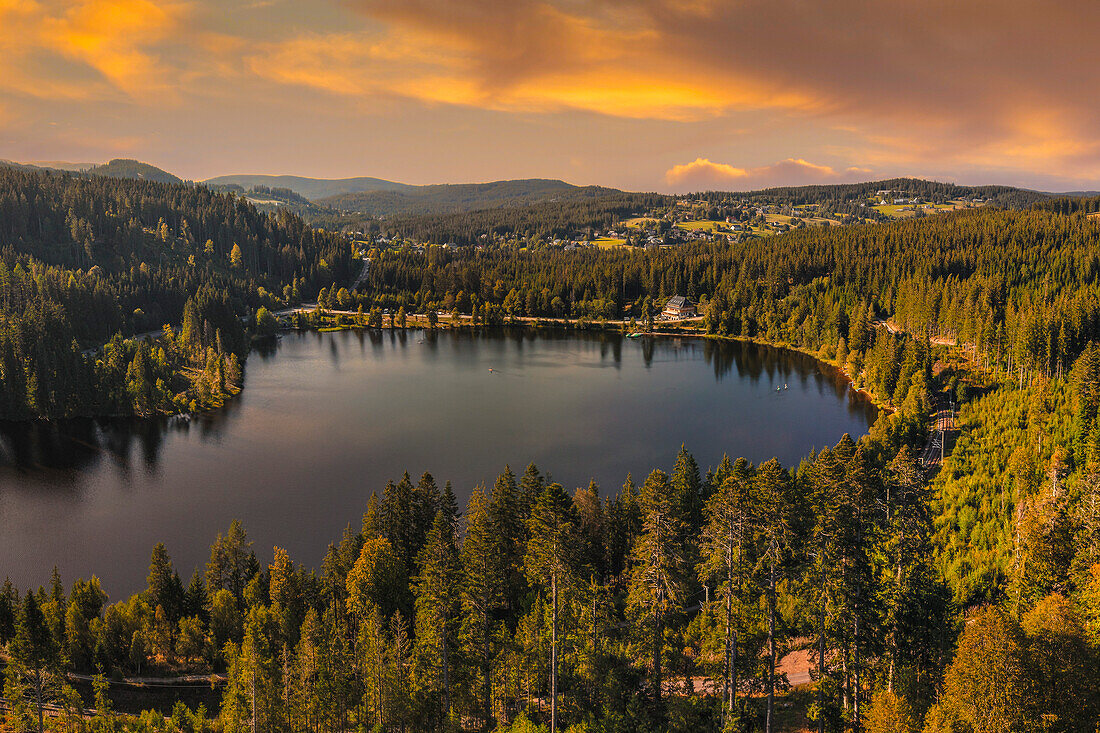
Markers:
(509, 512)
(9, 604)
(985, 688)
(35, 649)
(624, 523)
(164, 588)
(437, 614)
(232, 563)
(728, 558)
(775, 536)
(482, 589)
(253, 697)
(551, 560)
(659, 579)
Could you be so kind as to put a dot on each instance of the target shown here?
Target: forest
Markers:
(664, 606)
(88, 262)
(1004, 196)
(579, 209)
(963, 600)
(452, 198)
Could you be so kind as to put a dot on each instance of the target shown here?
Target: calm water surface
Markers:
(325, 419)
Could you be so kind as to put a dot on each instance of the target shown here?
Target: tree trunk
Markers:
(286, 688)
(731, 652)
(733, 674)
(38, 697)
(658, 633)
(845, 688)
(855, 673)
(771, 647)
(821, 672)
(446, 677)
(554, 656)
(487, 689)
(894, 631)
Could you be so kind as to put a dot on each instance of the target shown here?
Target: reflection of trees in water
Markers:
(43, 453)
(42, 450)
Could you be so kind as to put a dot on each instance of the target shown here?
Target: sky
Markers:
(653, 95)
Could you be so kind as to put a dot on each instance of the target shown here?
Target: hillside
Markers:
(908, 574)
(117, 168)
(83, 258)
(457, 198)
(50, 165)
(126, 168)
(310, 188)
(934, 191)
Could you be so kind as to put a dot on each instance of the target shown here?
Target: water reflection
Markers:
(327, 418)
(43, 452)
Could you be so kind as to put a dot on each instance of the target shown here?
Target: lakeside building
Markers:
(678, 307)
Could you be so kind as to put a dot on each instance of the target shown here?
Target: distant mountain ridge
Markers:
(369, 196)
(128, 168)
(117, 168)
(460, 197)
(313, 189)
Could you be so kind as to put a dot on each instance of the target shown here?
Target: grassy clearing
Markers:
(708, 225)
(895, 211)
(609, 242)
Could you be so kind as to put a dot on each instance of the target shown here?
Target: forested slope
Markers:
(450, 198)
(1019, 290)
(83, 258)
(968, 603)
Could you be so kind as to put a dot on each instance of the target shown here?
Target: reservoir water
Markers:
(325, 419)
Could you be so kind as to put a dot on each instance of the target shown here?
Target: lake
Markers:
(325, 419)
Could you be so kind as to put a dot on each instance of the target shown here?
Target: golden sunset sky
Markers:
(667, 95)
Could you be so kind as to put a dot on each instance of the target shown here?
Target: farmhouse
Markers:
(678, 307)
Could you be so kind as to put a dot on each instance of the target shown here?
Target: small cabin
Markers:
(678, 307)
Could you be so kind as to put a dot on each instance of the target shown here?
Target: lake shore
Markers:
(685, 328)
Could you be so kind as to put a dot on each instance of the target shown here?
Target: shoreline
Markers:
(522, 322)
(619, 327)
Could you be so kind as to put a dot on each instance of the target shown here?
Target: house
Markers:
(678, 307)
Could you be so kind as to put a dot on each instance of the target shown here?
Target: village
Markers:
(700, 217)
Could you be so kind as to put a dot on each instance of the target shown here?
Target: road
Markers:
(943, 425)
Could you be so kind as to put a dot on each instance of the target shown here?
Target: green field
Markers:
(894, 211)
(708, 225)
(608, 242)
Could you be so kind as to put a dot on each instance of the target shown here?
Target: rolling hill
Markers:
(457, 198)
(127, 168)
(117, 168)
(310, 188)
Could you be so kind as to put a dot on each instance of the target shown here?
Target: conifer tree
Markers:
(437, 614)
(551, 562)
(727, 546)
(659, 579)
(482, 590)
(35, 649)
(775, 537)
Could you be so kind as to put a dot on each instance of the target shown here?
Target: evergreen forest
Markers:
(962, 598)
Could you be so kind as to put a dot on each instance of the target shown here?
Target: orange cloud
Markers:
(963, 74)
(703, 174)
(522, 56)
(114, 37)
(95, 49)
(933, 86)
